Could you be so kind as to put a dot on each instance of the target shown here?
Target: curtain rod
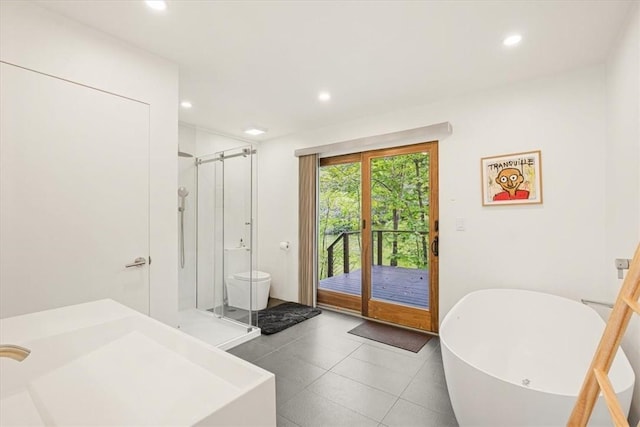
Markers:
(433, 132)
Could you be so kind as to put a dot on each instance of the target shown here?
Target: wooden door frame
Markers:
(338, 299)
(424, 319)
(408, 316)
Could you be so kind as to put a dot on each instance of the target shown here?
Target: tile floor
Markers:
(327, 377)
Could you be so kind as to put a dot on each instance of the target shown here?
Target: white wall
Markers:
(35, 38)
(556, 247)
(622, 175)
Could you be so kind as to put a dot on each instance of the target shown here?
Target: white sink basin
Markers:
(101, 363)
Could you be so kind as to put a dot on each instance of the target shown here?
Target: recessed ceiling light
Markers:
(186, 104)
(324, 96)
(253, 131)
(156, 4)
(512, 40)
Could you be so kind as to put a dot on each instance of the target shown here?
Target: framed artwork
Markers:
(512, 179)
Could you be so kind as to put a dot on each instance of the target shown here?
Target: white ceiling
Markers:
(263, 62)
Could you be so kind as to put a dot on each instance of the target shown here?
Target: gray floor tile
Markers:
(251, 350)
(432, 345)
(317, 355)
(345, 323)
(437, 354)
(448, 420)
(283, 422)
(407, 414)
(373, 375)
(308, 409)
(310, 324)
(365, 400)
(432, 371)
(290, 367)
(329, 339)
(286, 389)
(343, 318)
(365, 378)
(281, 338)
(392, 360)
(334, 313)
(429, 394)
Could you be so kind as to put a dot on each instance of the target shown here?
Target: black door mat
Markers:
(283, 316)
(391, 335)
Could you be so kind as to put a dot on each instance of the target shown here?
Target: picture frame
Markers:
(512, 179)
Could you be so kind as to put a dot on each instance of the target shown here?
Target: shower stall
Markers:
(217, 235)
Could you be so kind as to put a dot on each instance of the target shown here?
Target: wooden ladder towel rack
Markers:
(597, 377)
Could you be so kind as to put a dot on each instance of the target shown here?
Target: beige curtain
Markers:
(307, 173)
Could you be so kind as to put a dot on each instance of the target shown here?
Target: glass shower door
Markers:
(235, 234)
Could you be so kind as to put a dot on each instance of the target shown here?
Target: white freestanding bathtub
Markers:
(518, 358)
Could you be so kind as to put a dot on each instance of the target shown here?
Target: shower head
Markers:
(182, 193)
(183, 154)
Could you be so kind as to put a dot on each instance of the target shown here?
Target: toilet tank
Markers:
(236, 260)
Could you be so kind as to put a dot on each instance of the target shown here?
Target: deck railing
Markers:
(378, 237)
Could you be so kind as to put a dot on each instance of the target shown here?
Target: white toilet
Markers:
(238, 289)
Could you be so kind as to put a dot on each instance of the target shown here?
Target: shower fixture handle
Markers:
(137, 262)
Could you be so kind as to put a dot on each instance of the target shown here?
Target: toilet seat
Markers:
(255, 276)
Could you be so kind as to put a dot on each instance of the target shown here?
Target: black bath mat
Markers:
(280, 317)
(391, 335)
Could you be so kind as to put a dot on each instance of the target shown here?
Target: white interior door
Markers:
(74, 194)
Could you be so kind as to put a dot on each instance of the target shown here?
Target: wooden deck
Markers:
(409, 286)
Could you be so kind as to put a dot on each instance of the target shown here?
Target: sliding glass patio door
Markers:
(377, 234)
(400, 235)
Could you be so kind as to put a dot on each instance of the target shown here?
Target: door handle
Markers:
(137, 262)
(434, 246)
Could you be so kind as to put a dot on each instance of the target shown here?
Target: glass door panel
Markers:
(401, 218)
(339, 238)
(400, 229)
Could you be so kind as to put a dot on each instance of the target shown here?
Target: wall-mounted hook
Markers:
(621, 265)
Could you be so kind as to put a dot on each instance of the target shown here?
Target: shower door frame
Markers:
(247, 150)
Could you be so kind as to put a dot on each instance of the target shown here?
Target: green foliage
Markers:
(338, 210)
(340, 198)
(399, 202)
(399, 208)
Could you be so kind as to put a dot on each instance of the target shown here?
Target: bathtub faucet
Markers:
(14, 352)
